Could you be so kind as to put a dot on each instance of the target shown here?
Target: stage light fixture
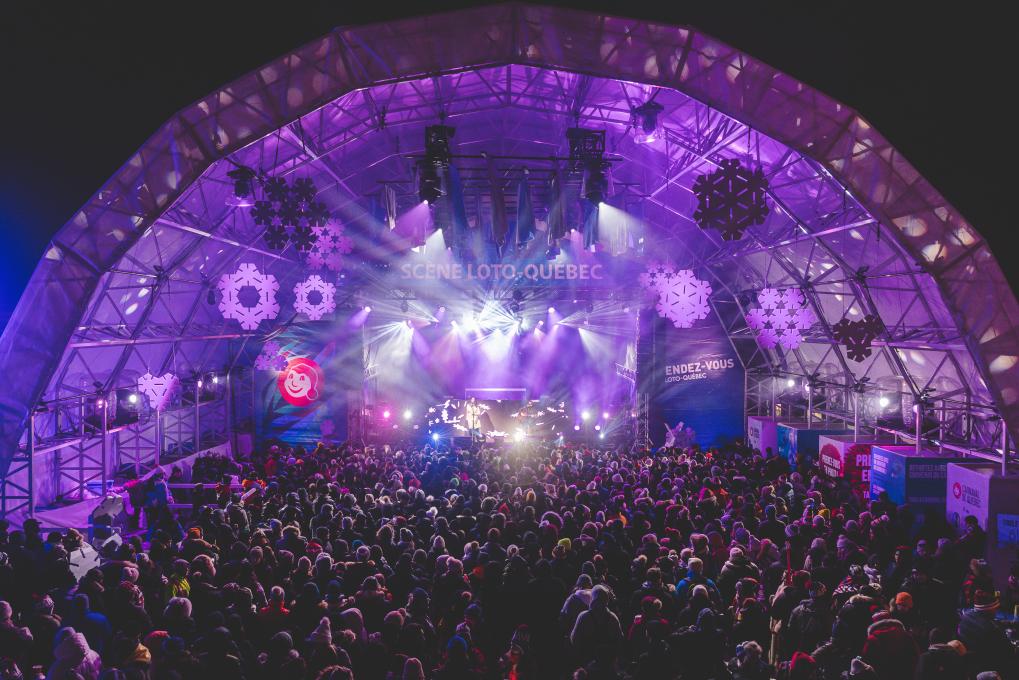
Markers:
(595, 184)
(645, 120)
(519, 435)
(597, 428)
(576, 427)
(200, 383)
(601, 435)
(407, 415)
(883, 402)
(790, 383)
(435, 436)
(133, 398)
(585, 415)
(605, 415)
(551, 310)
(367, 309)
(242, 177)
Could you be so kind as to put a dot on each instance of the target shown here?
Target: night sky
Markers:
(84, 84)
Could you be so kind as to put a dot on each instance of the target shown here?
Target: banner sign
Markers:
(801, 441)
(1008, 530)
(455, 271)
(841, 457)
(969, 493)
(698, 381)
(762, 434)
(908, 477)
(306, 401)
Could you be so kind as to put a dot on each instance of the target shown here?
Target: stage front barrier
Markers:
(908, 476)
(978, 488)
(802, 440)
(762, 433)
(843, 458)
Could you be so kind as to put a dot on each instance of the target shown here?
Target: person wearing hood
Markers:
(73, 658)
(15, 641)
(597, 633)
(891, 650)
(943, 659)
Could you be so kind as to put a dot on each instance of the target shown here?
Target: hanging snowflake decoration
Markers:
(277, 190)
(682, 297)
(303, 238)
(780, 318)
(264, 285)
(331, 244)
(158, 388)
(858, 336)
(263, 213)
(271, 357)
(731, 199)
(303, 190)
(314, 297)
(276, 237)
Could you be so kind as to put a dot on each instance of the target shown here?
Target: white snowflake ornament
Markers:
(781, 318)
(329, 247)
(682, 297)
(308, 290)
(158, 388)
(265, 285)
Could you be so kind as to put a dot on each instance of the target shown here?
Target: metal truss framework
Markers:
(124, 286)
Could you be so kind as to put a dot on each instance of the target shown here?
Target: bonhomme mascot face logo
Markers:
(300, 383)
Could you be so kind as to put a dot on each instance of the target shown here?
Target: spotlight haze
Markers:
(407, 415)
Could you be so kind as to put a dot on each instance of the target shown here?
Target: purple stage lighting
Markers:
(386, 414)
(576, 427)
(585, 415)
(551, 310)
(605, 415)
(367, 309)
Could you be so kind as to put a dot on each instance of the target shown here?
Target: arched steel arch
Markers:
(841, 143)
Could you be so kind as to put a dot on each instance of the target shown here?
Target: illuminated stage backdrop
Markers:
(307, 400)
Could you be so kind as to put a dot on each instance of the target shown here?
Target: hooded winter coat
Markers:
(73, 656)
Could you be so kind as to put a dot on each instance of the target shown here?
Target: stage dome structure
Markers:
(128, 290)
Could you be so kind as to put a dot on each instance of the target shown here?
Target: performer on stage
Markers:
(472, 418)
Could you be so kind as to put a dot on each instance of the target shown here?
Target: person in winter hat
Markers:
(73, 659)
(891, 650)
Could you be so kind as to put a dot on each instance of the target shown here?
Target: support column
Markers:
(31, 464)
(103, 446)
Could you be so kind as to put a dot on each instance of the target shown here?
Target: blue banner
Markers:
(698, 380)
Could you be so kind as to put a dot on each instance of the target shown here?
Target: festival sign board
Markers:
(802, 440)
(843, 458)
(978, 489)
(762, 433)
(908, 476)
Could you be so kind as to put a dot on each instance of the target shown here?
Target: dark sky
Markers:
(84, 84)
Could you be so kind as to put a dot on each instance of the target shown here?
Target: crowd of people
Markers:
(517, 563)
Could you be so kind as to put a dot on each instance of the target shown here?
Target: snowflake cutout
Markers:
(248, 276)
(277, 190)
(290, 213)
(757, 318)
(731, 199)
(263, 213)
(769, 298)
(326, 292)
(780, 318)
(682, 297)
(271, 357)
(858, 336)
(276, 237)
(329, 247)
(317, 214)
(803, 318)
(303, 190)
(303, 238)
(158, 388)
